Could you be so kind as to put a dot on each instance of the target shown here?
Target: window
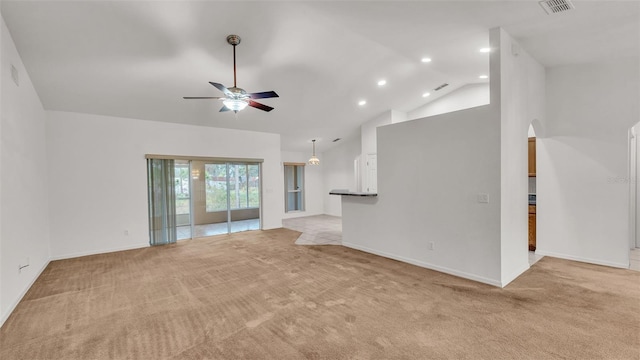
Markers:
(294, 186)
(215, 182)
(243, 184)
(254, 186)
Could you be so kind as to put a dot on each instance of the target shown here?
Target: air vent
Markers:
(441, 87)
(336, 139)
(15, 75)
(556, 6)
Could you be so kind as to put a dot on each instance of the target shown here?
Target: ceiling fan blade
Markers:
(222, 88)
(204, 97)
(263, 95)
(262, 107)
(224, 108)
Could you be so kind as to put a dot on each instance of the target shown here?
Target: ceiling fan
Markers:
(235, 98)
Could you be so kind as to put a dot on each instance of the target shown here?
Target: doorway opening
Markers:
(532, 195)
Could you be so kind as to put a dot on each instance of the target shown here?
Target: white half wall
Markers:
(465, 97)
(582, 161)
(430, 172)
(24, 223)
(98, 176)
(339, 172)
(313, 184)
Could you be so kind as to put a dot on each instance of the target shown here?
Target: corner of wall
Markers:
(515, 92)
(24, 234)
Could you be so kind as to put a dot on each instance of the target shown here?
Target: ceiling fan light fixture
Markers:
(236, 99)
(314, 159)
(235, 104)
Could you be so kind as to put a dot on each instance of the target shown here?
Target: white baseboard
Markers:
(96, 252)
(12, 307)
(441, 269)
(582, 259)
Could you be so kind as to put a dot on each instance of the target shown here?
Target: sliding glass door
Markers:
(243, 184)
(182, 179)
(213, 197)
(232, 198)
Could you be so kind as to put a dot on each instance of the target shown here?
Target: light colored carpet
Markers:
(256, 295)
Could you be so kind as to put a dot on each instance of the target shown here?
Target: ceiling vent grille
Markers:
(556, 6)
(441, 87)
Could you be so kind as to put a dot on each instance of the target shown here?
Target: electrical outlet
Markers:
(431, 245)
(126, 233)
(483, 198)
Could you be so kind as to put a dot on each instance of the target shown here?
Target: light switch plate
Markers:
(483, 198)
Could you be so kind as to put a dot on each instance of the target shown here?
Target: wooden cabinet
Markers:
(532, 228)
(532, 157)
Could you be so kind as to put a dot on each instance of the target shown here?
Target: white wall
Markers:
(398, 116)
(583, 198)
(518, 88)
(368, 142)
(634, 190)
(24, 223)
(465, 97)
(313, 184)
(429, 174)
(97, 173)
(338, 172)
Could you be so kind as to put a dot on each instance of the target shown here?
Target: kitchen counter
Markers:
(351, 193)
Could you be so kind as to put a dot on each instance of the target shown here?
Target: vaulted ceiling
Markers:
(137, 59)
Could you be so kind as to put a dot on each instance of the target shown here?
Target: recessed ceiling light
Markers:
(485, 50)
(382, 82)
(362, 102)
(426, 94)
(483, 76)
(426, 60)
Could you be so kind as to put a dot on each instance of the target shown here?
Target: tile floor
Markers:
(184, 232)
(316, 230)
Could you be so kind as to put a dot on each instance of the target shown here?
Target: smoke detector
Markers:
(556, 6)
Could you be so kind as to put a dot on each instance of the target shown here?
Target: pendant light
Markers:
(314, 159)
